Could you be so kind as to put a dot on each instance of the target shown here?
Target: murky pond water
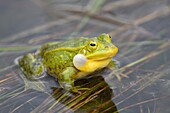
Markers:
(140, 28)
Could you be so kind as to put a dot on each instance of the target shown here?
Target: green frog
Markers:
(69, 60)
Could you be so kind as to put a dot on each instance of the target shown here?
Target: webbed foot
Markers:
(72, 88)
(31, 66)
(114, 66)
(78, 90)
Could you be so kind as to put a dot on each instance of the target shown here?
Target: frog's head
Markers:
(100, 48)
(98, 52)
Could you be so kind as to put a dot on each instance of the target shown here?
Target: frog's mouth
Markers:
(92, 62)
(102, 55)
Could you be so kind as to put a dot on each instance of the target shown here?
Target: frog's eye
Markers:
(93, 45)
(105, 37)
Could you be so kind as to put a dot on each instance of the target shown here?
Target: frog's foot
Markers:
(114, 66)
(36, 73)
(120, 75)
(78, 90)
(34, 76)
(37, 77)
(72, 88)
(32, 67)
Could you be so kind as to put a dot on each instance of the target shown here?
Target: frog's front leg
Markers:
(32, 67)
(114, 65)
(66, 80)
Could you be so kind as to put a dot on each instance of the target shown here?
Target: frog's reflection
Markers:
(97, 99)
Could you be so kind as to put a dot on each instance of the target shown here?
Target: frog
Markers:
(70, 60)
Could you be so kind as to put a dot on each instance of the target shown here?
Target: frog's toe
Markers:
(37, 77)
(116, 62)
(78, 90)
(75, 90)
(120, 75)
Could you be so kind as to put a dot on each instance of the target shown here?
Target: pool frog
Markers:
(69, 60)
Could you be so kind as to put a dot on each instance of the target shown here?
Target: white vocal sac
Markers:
(79, 60)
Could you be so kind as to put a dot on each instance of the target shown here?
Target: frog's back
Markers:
(64, 45)
(73, 43)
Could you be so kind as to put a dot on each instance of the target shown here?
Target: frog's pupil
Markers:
(110, 36)
(92, 44)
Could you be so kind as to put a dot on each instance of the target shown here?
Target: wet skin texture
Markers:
(69, 60)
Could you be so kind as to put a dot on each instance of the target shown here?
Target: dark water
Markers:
(140, 28)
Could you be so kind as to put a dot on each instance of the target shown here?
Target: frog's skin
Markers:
(70, 59)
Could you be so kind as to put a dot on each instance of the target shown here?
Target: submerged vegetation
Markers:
(140, 30)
